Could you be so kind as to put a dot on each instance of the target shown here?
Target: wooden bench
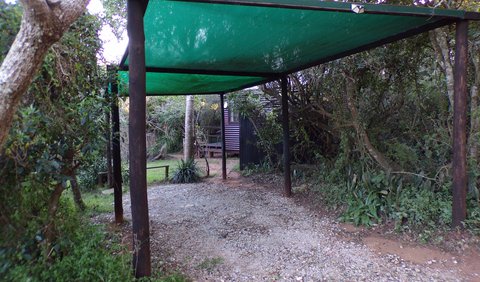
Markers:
(211, 148)
(102, 178)
(161, 166)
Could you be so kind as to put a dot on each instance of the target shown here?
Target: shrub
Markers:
(88, 174)
(473, 219)
(424, 208)
(82, 252)
(187, 172)
(263, 167)
(375, 197)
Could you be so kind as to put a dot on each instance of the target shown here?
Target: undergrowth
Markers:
(413, 203)
(82, 252)
(186, 172)
(263, 167)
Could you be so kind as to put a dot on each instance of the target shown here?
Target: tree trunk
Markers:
(364, 139)
(189, 138)
(43, 23)
(77, 195)
(473, 139)
(52, 211)
(439, 39)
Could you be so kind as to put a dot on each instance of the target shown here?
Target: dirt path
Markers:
(238, 231)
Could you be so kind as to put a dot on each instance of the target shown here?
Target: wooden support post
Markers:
(286, 139)
(109, 124)
(459, 164)
(116, 157)
(108, 138)
(224, 149)
(137, 141)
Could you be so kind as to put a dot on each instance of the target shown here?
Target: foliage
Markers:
(97, 202)
(88, 175)
(31, 157)
(473, 219)
(165, 118)
(208, 110)
(372, 198)
(125, 174)
(9, 26)
(207, 119)
(84, 253)
(269, 136)
(55, 133)
(265, 119)
(186, 172)
(115, 16)
(398, 110)
(263, 167)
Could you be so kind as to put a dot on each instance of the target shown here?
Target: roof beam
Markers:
(260, 82)
(206, 72)
(346, 7)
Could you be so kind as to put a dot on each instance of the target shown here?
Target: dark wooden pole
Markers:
(459, 208)
(108, 138)
(116, 157)
(137, 140)
(109, 124)
(286, 139)
(224, 149)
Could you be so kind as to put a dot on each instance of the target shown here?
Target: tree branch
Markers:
(41, 26)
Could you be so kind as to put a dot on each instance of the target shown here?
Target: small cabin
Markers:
(232, 136)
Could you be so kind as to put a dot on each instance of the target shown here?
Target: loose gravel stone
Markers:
(212, 232)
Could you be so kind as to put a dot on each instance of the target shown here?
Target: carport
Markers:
(194, 47)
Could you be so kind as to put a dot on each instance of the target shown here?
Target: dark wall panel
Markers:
(249, 153)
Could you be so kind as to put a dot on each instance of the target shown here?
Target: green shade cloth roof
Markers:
(212, 46)
(178, 83)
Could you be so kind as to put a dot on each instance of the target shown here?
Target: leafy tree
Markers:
(11, 16)
(55, 134)
(264, 116)
(165, 119)
(43, 23)
(116, 15)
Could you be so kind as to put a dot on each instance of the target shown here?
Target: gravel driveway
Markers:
(212, 232)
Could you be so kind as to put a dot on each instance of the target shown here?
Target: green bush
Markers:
(263, 167)
(367, 198)
(187, 172)
(473, 218)
(125, 174)
(424, 208)
(88, 175)
(82, 252)
(411, 203)
(165, 118)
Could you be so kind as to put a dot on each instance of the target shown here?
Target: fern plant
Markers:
(187, 172)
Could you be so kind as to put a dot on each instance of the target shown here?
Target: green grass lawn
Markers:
(97, 202)
(158, 174)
